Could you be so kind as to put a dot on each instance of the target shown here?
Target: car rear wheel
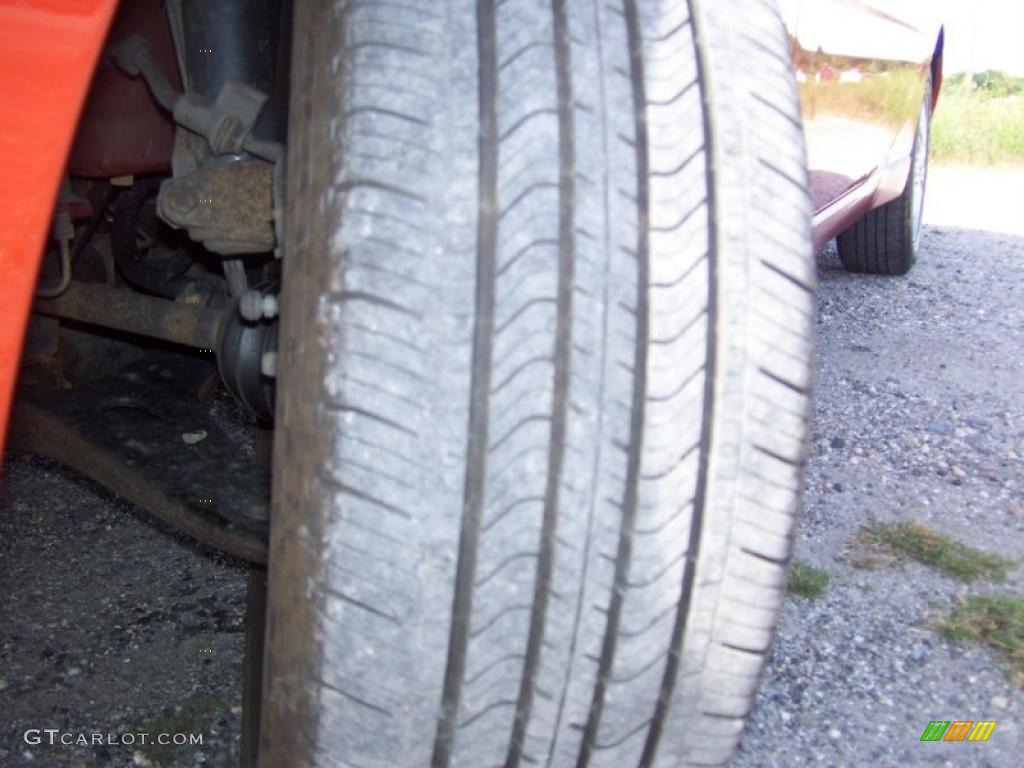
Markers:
(887, 239)
(543, 382)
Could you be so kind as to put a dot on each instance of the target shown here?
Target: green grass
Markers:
(807, 581)
(991, 82)
(977, 122)
(973, 128)
(954, 558)
(883, 100)
(995, 620)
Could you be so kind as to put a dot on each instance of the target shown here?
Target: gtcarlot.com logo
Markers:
(55, 736)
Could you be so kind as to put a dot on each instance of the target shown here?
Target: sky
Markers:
(980, 34)
(983, 34)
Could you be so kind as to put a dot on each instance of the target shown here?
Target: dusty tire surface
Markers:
(544, 374)
(885, 241)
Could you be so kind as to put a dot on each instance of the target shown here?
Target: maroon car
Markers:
(869, 75)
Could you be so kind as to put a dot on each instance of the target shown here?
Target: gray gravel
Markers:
(112, 624)
(109, 624)
(919, 415)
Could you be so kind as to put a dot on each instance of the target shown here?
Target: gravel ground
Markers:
(111, 625)
(919, 415)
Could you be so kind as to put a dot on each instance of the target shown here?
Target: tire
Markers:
(543, 397)
(886, 240)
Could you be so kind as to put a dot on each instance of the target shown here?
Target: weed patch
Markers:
(923, 545)
(807, 581)
(994, 620)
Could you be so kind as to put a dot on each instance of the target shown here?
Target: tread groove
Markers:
(631, 490)
(602, 358)
(351, 697)
(671, 673)
(560, 384)
(480, 386)
(345, 598)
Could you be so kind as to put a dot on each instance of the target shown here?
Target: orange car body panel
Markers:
(48, 49)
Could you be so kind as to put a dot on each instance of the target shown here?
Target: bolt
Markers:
(251, 306)
(176, 200)
(268, 364)
(269, 306)
(255, 306)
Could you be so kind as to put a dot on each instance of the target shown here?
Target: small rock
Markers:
(835, 734)
(999, 702)
(191, 438)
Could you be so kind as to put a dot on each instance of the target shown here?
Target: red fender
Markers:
(48, 50)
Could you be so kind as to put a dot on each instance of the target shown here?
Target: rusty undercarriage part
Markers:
(228, 201)
(225, 203)
(228, 207)
(144, 434)
(245, 349)
(226, 124)
(125, 310)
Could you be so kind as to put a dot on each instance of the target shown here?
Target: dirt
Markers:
(113, 626)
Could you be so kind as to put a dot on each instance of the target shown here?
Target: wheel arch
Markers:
(936, 66)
